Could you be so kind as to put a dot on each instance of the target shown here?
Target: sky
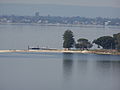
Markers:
(87, 8)
(99, 3)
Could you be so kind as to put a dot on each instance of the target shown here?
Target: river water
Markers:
(55, 71)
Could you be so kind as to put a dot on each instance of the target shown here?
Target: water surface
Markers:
(20, 36)
(59, 71)
(55, 71)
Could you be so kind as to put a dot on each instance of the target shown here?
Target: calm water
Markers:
(20, 36)
(55, 71)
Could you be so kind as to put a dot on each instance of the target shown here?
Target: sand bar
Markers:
(53, 51)
(65, 51)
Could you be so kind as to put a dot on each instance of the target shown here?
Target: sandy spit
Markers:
(63, 51)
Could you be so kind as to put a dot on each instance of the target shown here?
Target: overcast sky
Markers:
(106, 3)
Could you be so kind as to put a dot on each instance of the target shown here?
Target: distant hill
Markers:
(58, 10)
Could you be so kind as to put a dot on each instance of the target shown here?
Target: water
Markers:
(59, 71)
(55, 71)
(20, 36)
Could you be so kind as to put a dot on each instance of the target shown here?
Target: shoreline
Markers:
(61, 25)
(99, 52)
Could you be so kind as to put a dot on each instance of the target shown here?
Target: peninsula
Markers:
(101, 52)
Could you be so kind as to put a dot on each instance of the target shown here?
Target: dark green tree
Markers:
(106, 42)
(68, 39)
(117, 41)
(83, 44)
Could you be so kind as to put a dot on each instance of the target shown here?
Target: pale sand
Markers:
(63, 51)
(54, 51)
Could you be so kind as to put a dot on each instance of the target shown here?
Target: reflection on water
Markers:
(67, 70)
(51, 71)
(104, 66)
(108, 72)
(67, 65)
(91, 72)
(108, 67)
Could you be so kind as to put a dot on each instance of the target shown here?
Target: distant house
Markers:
(39, 48)
(33, 48)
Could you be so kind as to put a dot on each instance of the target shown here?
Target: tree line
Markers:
(106, 42)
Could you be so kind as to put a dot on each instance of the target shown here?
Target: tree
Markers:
(83, 44)
(117, 41)
(107, 42)
(68, 39)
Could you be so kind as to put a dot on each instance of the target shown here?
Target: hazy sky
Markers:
(106, 3)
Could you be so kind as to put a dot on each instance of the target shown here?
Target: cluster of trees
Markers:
(69, 41)
(109, 42)
(106, 42)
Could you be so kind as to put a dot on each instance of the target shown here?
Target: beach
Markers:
(101, 52)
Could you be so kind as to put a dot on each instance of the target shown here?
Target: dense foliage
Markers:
(68, 39)
(117, 41)
(106, 42)
(83, 43)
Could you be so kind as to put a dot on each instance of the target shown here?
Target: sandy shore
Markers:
(53, 51)
(66, 51)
